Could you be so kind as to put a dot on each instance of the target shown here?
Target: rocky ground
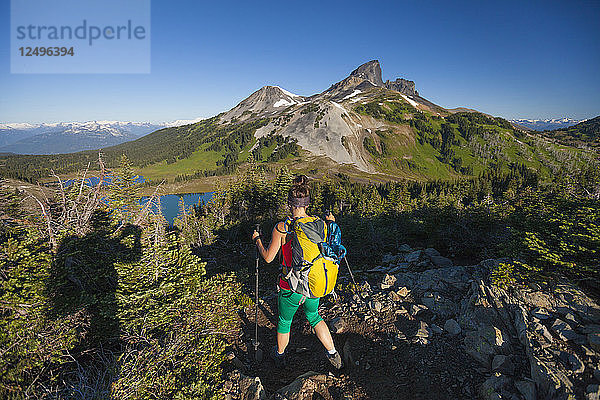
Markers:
(418, 327)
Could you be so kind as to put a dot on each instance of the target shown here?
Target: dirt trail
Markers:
(418, 327)
(387, 364)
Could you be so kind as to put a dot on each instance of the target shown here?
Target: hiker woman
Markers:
(288, 301)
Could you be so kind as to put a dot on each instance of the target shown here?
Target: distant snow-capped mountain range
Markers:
(547, 124)
(67, 137)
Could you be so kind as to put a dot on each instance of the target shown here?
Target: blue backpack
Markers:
(333, 247)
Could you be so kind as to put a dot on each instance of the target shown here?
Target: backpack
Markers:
(333, 245)
(307, 270)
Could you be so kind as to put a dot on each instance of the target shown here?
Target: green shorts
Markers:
(288, 303)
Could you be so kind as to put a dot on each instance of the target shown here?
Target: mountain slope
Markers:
(360, 125)
(69, 137)
(326, 124)
(11, 133)
(583, 134)
(167, 146)
(389, 129)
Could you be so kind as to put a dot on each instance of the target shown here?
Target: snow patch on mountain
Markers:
(339, 106)
(356, 91)
(181, 122)
(17, 125)
(410, 101)
(284, 103)
(287, 92)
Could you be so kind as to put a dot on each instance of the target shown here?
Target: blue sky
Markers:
(512, 59)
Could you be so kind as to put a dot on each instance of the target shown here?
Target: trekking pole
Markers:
(349, 270)
(255, 343)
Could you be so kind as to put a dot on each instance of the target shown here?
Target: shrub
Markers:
(116, 309)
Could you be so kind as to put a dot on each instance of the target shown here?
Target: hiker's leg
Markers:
(282, 341)
(311, 309)
(324, 335)
(287, 305)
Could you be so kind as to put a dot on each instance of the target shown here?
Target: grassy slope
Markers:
(418, 161)
(586, 133)
(423, 161)
(200, 159)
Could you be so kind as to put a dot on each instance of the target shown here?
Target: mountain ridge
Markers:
(68, 137)
(319, 123)
(585, 134)
(541, 124)
(357, 125)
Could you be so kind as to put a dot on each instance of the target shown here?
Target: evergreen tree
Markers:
(124, 193)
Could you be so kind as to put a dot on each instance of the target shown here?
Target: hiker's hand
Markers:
(330, 217)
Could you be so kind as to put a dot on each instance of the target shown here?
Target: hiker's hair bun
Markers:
(299, 187)
(300, 180)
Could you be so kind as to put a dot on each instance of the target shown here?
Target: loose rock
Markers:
(436, 329)
(503, 364)
(441, 262)
(571, 318)
(592, 392)
(540, 313)
(563, 330)
(424, 331)
(594, 341)
(388, 258)
(592, 328)
(387, 282)
(403, 291)
(413, 257)
(394, 296)
(543, 331)
(431, 252)
(527, 389)
(417, 309)
(376, 306)
(452, 327)
(249, 388)
(577, 365)
(337, 325)
(400, 267)
(306, 385)
(492, 388)
(478, 348)
(513, 334)
(405, 248)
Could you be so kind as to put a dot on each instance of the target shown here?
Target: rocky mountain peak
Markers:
(265, 101)
(370, 71)
(403, 86)
(272, 93)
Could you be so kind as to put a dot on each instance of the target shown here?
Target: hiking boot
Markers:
(336, 360)
(279, 359)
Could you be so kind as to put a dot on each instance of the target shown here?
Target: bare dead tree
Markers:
(74, 205)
